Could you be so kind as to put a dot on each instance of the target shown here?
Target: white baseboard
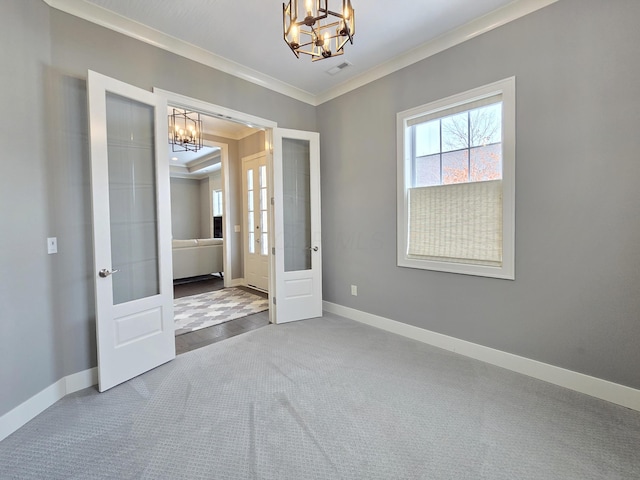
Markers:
(26, 411)
(595, 387)
(80, 380)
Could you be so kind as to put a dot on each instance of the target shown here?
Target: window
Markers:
(456, 175)
(216, 196)
(217, 203)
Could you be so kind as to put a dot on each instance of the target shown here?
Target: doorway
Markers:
(211, 274)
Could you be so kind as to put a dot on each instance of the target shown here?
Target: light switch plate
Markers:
(52, 245)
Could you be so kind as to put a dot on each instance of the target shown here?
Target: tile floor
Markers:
(207, 336)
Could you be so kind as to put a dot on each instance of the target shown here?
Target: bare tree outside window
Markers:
(474, 128)
(476, 132)
(460, 148)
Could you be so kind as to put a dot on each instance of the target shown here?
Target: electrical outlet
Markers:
(52, 245)
(354, 290)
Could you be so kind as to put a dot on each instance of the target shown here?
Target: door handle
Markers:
(104, 273)
(315, 249)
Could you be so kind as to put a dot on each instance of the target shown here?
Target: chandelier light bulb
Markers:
(326, 46)
(342, 28)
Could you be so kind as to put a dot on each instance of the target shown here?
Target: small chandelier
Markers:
(185, 131)
(316, 30)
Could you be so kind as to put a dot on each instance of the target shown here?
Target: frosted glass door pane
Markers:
(297, 204)
(132, 199)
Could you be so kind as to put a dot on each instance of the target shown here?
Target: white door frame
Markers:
(190, 103)
(224, 113)
(224, 160)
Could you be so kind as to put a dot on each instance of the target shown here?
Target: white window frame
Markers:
(507, 89)
(217, 212)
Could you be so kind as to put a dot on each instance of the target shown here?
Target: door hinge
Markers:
(272, 201)
(274, 300)
(273, 250)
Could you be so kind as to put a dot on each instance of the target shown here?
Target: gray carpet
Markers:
(326, 399)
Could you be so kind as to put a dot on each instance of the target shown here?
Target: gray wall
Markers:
(215, 181)
(46, 301)
(32, 297)
(206, 210)
(185, 208)
(251, 145)
(575, 302)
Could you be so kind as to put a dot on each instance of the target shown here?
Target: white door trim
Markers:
(214, 110)
(224, 113)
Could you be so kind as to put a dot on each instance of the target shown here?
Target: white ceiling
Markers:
(245, 37)
(207, 160)
(194, 164)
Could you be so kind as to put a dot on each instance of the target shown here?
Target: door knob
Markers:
(104, 273)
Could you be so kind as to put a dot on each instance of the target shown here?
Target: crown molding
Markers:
(486, 23)
(179, 171)
(118, 23)
(221, 134)
(205, 162)
(113, 21)
(230, 135)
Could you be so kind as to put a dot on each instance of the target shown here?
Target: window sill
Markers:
(506, 272)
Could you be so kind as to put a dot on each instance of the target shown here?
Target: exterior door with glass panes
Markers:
(256, 221)
(131, 229)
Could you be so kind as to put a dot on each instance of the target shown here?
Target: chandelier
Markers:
(185, 131)
(317, 31)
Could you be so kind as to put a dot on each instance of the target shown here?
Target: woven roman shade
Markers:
(459, 223)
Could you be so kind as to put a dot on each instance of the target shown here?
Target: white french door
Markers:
(256, 220)
(298, 249)
(131, 230)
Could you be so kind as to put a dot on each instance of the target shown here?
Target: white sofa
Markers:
(195, 257)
